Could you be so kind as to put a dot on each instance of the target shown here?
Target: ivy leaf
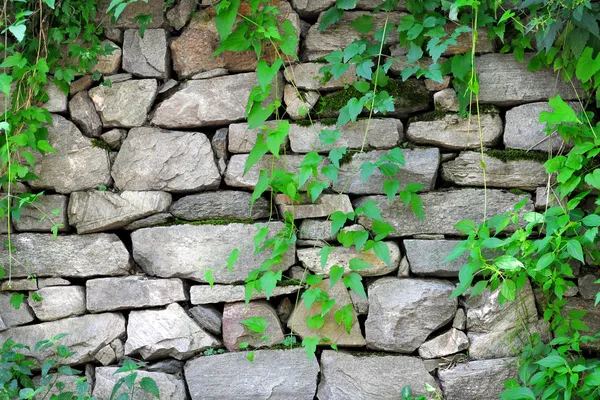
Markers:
(593, 179)
(345, 316)
(330, 17)
(338, 219)
(233, 257)
(460, 65)
(390, 188)
(591, 220)
(335, 274)
(416, 204)
(414, 53)
(574, 249)
(350, 111)
(310, 346)
(290, 39)
(362, 86)
(315, 322)
(363, 24)
(150, 386)
(18, 31)
(265, 74)
(563, 113)
(346, 4)
(508, 289)
(382, 251)
(366, 170)
(268, 282)
(521, 393)
(324, 254)
(225, 18)
(329, 137)
(208, 276)
(5, 81)
(586, 65)
(365, 69)
(255, 324)
(259, 150)
(16, 300)
(354, 283)
(276, 137)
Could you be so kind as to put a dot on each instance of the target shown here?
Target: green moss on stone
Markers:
(101, 144)
(517, 191)
(518, 155)
(410, 92)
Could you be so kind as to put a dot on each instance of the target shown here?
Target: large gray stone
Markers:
(235, 177)
(466, 170)
(380, 377)
(316, 229)
(306, 76)
(57, 99)
(234, 333)
(325, 205)
(170, 387)
(153, 159)
(49, 210)
(67, 256)
(209, 102)
(208, 317)
(426, 257)
(403, 312)
(10, 316)
(504, 81)
(59, 302)
(228, 204)
(443, 210)
(205, 294)
(96, 211)
(86, 336)
(83, 113)
(298, 104)
(477, 380)
(125, 104)
(128, 19)
(242, 140)
(341, 257)
(453, 132)
(108, 294)
(447, 343)
(188, 251)
(146, 57)
(76, 165)
(524, 131)
(421, 166)
(171, 332)
(292, 376)
(382, 134)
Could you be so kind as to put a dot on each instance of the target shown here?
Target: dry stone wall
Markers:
(148, 178)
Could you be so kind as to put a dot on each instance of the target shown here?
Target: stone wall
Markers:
(148, 178)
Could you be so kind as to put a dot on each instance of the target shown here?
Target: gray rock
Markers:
(213, 73)
(383, 134)
(208, 102)
(170, 332)
(460, 320)
(443, 210)
(118, 78)
(382, 377)
(188, 251)
(315, 229)
(588, 288)
(81, 84)
(125, 104)
(59, 302)
(180, 14)
(109, 294)
(109, 63)
(106, 355)
(46, 282)
(285, 309)
(337, 333)
(466, 170)
(361, 305)
(204, 294)
(76, 165)
(30, 283)
(294, 378)
(57, 99)
(325, 205)
(342, 256)
(306, 76)
(454, 132)
(298, 104)
(170, 387)
(114, 138)
(208, 318)
(234, 333)
(421, 166)
(219, 146)
(504, 81)
(403, 312)
(219, 205)
(445, 344)
(477, 380)
(86, 336)
(427, 257)
(49, 210)
(404, 268)
(542, 200)
(128, 19)
(67, 256)
(146, 57)
(96, 211)
(153, 220)
(169, 366)
(311, 8)
(242, 139)
(524, 131)
(153, 159)
(10, 316)
(83, 113)
(235, 177)
(446, 100)
(434, 86)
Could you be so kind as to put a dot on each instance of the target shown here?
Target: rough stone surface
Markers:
(219, 205)
(342, 256)
(125, 104)
(108, 294)
(76, 165)
(95, 211)
(242, 140)
(81, 84)
(325, 205)
(83, 113)
(235, 177)
(187, 251)
(477, 380)
(295, 377)
(39, 216)
(504, 81)
(542, 200)
(346, 376)
(299, 104)
(524, 131)
(114, 138)
(208, 318)
(59, 302)
(208, 102)
(153, 159)
(9, 316)
(421, 166)
(460, 320)
(403, 312)
(330, 329)
(45, 282)
(361, 305)
(383, 134)
(306, 76)
(445, 344)
(454, 132)
(235, 333)
(446, 100)
(426, 257)
(443, 210)
(106, 355)
(170, 387)
(20, 284)
(87, 335)
(587, 286)
(155, 334)
(204, 294)
(57, 99)
(128, 18)
(67, 256)
(146, 57)
(109, 63)
(466, 170)
(153, 220)
(315, 229)
(180, 14)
